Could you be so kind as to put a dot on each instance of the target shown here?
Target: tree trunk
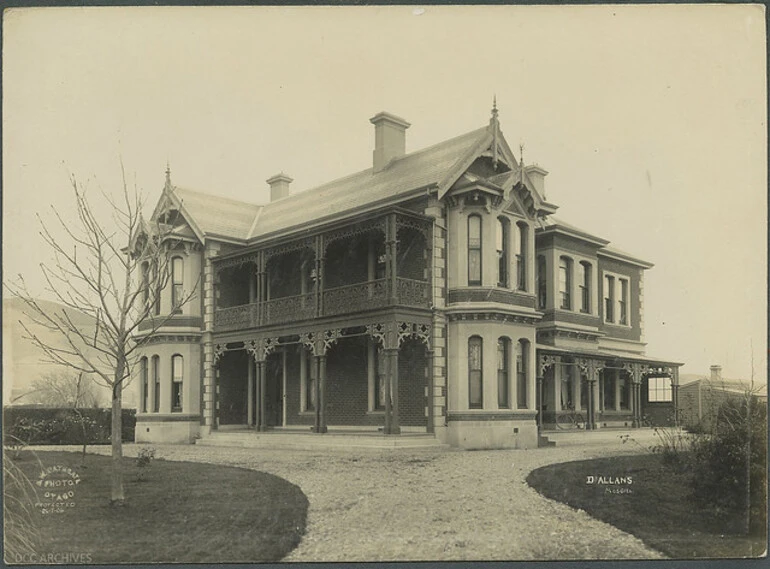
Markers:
(117, 497)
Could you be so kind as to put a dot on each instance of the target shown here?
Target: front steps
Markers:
(332, 440)
(644, 436)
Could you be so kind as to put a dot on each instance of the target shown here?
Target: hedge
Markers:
(63, 425)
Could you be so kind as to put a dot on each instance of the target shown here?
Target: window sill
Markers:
(375, 412)
(617, 325)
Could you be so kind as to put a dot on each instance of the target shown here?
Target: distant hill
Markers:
(23, 362)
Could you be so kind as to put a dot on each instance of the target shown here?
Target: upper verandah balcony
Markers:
(363, 265)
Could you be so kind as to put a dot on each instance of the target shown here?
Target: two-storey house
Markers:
(432, 292)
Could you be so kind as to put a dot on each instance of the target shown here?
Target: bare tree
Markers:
(112, 270)
(65, 389)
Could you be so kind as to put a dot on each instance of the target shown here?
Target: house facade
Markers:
(434, 291)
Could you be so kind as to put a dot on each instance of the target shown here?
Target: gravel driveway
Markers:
(402, 505)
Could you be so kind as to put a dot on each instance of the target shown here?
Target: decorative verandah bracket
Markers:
(421, 332)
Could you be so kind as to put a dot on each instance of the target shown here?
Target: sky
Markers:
(650, 119)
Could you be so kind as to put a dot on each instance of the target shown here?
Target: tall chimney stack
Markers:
(389, 138)
(716, 373)
(279, 186)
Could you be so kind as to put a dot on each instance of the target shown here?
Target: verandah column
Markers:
(262, 425)
(250, 395)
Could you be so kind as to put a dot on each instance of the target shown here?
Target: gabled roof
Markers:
(436, 167)
(216, 216)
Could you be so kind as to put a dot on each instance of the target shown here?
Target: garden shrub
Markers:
(729, 470)
(63, 426)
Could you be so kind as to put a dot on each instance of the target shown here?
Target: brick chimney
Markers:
(389, 138)
(537, 175)
(716, 373)
(279, 186)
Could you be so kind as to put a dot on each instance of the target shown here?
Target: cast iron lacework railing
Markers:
(349, 298)
(290, 308)
(236, 317)
(339, 300)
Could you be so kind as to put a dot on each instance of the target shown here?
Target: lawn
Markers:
(655, 505)
(181, 512)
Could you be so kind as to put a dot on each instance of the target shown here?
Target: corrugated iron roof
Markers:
(234, 219)
(218, 216)
(410, 172)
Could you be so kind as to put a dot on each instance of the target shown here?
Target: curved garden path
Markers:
(430, 505)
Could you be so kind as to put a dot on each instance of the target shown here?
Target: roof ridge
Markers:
(217, 196)
(391, 163)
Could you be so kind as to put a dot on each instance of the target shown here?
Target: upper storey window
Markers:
(623, 302)
(616, 293)
(177, 284)
(565, 282)
(542, 283)
(584, 278)
(521, 257)
(609, 298)
(502, 252)
(474, 250)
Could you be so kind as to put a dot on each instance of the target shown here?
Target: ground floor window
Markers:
(521, 373)
(380, 377)
(623, 390)
(177, 376)
(608, 389)
(567, 387)
(156, 384)
(475, 376)
(583, 392)
(503, 348)
(145, 384)
(659, 389)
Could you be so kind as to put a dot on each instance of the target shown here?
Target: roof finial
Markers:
(495, 126)
(168, 175)
(521, 161)
(493, 120)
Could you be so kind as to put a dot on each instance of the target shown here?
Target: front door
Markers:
(274, 391)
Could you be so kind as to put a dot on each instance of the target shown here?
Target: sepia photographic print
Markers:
(384, 283)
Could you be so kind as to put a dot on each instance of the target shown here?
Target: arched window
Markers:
(521, 257)
(501, 238)
(177, 284)
(177, 380)
(503, 373)
(474, 250)
(565, 283)
(145, 383)
(584, 280)
(542, 282)
(521, 373)
(156, 384)
(475, 374)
